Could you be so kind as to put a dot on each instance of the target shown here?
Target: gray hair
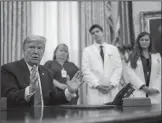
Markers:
(32, 38)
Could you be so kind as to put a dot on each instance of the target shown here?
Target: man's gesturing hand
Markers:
(33, 79)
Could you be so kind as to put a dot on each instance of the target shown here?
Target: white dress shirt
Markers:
(98, 46)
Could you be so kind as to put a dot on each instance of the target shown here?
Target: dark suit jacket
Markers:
(15, 78)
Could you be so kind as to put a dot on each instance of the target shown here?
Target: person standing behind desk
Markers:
(61, 68)
(144, 69)
(101, 67)
(25, 83)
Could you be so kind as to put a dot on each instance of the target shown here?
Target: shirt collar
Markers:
(98, 45)
(30, 67)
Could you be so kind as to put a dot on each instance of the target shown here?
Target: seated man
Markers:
(26, 83)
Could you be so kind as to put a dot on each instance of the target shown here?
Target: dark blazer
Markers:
(56, 68)
(15, 78)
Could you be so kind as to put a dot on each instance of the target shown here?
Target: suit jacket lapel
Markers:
(107, 54)
(98, 58)
(43, 80)
(154, 62)
(140, 69)
(25, 72)
(107, 57)
(96, 51)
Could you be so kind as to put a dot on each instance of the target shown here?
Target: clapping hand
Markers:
(75, 82)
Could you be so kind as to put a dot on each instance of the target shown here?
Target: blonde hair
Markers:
(54, 55)
(31, 38)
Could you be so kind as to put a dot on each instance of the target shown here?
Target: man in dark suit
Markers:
(26, 83)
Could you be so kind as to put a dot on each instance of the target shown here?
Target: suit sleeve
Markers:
(48, 64)
(89, 76)
(115, 79)
(10, 89)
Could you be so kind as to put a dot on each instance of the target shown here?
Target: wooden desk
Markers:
(65, 114)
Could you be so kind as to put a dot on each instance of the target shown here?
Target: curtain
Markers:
(59, 23)
(96, 12)
(125, 26)
(15, 26)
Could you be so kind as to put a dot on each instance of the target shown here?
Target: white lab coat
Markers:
(137, 78)
(94, 70)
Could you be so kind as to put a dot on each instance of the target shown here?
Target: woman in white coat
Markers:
(144, 69)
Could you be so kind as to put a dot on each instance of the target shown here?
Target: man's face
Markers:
(97, 35)
(33, 52)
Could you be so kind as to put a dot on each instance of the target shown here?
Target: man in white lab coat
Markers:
(102, 67)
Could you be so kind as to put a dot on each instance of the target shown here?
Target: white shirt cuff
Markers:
(69, 95)
(28, 95)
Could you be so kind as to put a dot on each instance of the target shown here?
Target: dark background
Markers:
(155, 30)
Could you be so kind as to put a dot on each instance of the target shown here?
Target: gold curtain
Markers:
(15, 26)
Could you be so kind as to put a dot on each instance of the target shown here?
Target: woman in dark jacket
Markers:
(62, 69)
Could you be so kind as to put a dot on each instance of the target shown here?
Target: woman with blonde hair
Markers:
(62, 68)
